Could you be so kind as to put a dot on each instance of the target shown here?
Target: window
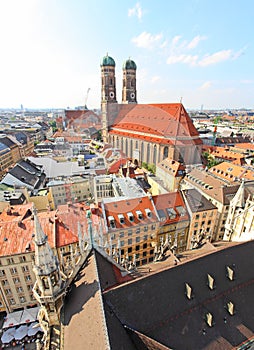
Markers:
(2, 273)
(122, 251)
(121, 234)
(13, 270)
(5, 282)
(121, 243)
(153, 227)
(137, 239)
(7, 291)
(137, 230)
(12, 301)
(145, 228)
(22, 258)
(144, 245)
(19, 290)
(209, 222)
(25, 268)
(144, 253)
(145, 237)
(129, 241)
(129, 250)
(137, 247)
(29, 287)
(22, 299)
(16, 280)
(10, 261)
(129, 232)
(28, 278)
(197, 216)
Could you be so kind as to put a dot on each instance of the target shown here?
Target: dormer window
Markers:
(121, 219)
(130, 217)
(111, 221)
(148, 213)
(139, 215)
(171, 213)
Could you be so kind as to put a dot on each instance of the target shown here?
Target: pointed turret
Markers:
(45, 260)
(49, 287)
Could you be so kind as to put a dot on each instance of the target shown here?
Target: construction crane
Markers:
(86, 98)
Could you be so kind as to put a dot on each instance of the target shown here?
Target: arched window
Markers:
(148, 153)
(165, 152)
(126, 147)
(122, 144)
(117, 142)
(142, 152)
(155, 154)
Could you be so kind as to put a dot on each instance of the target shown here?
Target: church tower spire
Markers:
(129, 91)
(49, 285)
(108, 91)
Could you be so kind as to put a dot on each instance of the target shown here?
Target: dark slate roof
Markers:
(4, 148)
(156, 307)
(21, 137)
(8, 142)
(28, 173)
(197, 202)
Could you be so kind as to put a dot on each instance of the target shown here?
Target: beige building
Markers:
(17, 250)
(202, 216)
(75, 189)
(171, 173)
(216, 191)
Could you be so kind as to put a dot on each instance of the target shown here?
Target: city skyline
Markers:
(199, 52)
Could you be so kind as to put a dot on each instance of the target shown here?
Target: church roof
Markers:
(165, 123)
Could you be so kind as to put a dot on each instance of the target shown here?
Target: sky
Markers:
(199, 52)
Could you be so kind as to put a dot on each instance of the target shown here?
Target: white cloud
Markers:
(216, 57)
(182, 58)
(154, 79)
(247, 81)
(206, 85)
(136, 11)
(176, 40)
(147, 40)
(195, 41)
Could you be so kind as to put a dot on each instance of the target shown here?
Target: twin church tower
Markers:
(108, 81)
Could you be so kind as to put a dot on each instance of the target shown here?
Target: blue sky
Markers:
(197, 50)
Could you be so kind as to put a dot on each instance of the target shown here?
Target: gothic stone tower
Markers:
(108, 91)
(49, 286)
(129, 92)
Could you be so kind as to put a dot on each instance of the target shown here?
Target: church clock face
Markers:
(111, 94)
(132, 95)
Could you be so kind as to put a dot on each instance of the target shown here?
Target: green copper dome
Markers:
(108, 61)
(129, 64)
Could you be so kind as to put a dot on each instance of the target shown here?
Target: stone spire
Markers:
(239, 201)
(45, 260)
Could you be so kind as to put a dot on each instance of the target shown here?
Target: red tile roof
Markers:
(167, 120)
(130, 206)
(171, 200)
(17, 227)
